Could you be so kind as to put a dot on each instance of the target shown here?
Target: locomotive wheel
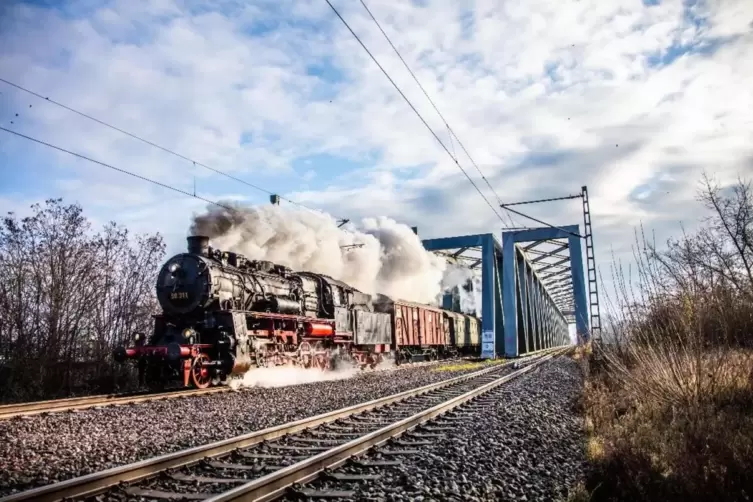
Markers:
(199, 374)
(305, 356)
(322, 357)
(376, 360)
(261, 359)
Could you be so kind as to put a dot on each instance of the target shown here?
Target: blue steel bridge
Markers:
(534, 284)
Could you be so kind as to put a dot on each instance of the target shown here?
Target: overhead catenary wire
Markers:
(129, 173)
(155, 145)
(109, 166)
(436, 109)
(397, 88)
(544, 223)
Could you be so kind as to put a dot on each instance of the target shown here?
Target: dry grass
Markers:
(672, 420)
(578, 493)
(669, 401)
(470, 365)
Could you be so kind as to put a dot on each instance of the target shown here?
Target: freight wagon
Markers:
(418, 330)
(463, 333)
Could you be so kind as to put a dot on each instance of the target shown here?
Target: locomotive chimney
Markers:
(198, 244)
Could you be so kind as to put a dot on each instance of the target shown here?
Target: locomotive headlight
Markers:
(139, 338)
(189, 334)
(173, 267)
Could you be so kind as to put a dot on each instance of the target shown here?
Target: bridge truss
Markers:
(533, 284)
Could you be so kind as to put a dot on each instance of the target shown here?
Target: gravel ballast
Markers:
(39, 449)
(524, 444)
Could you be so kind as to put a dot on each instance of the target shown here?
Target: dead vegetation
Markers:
(669, 399)
(68, 296)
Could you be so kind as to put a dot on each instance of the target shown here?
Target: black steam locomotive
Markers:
(223, 314)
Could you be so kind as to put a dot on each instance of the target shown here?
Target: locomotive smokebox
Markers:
(198, 244)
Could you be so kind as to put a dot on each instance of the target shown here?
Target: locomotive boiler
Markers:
(223, 314)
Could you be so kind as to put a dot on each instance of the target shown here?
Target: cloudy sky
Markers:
(633, 99)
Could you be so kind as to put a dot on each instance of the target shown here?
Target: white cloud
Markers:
(546, 96)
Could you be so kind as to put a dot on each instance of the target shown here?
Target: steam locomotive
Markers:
(223, 314)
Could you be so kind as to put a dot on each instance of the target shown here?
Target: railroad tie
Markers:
(163, 495)
(413, 443)
(333, 442)
(268, 456)
(334, 476)
(297, 448)
(242, 467)
(179, 476)
(398, 452)
(337, 434)
(376, 463)
(322, 494)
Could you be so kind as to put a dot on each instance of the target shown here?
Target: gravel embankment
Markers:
(527, 445)
(39, 449)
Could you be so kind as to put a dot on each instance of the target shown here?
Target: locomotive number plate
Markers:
(179, 295)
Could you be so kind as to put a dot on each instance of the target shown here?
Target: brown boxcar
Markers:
(418, 325)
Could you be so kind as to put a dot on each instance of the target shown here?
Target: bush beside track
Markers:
(669, 397)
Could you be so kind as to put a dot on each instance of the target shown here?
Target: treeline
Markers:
(68, 296)
(669, 398)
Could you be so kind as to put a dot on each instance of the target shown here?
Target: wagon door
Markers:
(406, 325)
(417, 338)
(432, 328)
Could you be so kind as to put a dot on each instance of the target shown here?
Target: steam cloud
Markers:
(468, 285)
(283, 376)
(390, 260)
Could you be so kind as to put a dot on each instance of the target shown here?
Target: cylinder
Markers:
(198, 244)
(176, 351)
(318, 329)
(122, 353)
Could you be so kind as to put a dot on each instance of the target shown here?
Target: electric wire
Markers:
(124, 171)
(436, 109)
(397, 88)
(155, 145)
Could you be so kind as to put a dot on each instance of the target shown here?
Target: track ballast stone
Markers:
(526, 445)
(38, 450)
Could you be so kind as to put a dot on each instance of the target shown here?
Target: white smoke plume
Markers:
(390, 260)
(460, 276)
(284, 376)
(471, 300)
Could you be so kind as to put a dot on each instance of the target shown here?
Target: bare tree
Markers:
(67, 297)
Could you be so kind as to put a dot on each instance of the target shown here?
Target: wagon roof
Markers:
(417, 305)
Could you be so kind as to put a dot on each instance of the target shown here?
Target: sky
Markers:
(633, 99)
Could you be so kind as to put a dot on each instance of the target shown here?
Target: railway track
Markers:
(9, 411)
(262, 465)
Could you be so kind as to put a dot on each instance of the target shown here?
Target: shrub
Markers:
(670, 404)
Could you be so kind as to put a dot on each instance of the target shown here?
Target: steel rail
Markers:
(78, 403)
(98, 482)
(274, 485)
(8, 411)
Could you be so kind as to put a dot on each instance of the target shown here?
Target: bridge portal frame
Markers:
(523, 309)
(537, 307)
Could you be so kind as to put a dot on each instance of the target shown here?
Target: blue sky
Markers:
(633, 99)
